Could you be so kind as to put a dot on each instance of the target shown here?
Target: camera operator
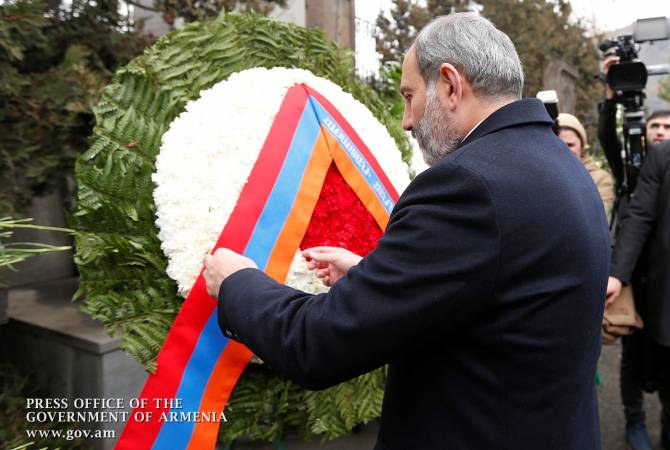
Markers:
(642, 258)
(657, 129)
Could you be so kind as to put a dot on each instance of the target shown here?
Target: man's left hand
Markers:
(614, 286)
(222, 264)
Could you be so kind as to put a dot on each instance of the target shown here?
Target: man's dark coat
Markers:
(645, 233)
(485, 297)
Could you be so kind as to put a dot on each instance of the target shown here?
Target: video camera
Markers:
(629, 76)
(627, 79)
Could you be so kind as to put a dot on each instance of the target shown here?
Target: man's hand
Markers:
(614, 286)
(330, 263)
(607, 63)
(222, 264)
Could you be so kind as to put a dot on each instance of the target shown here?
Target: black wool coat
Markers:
(644, 237)
(485, 297)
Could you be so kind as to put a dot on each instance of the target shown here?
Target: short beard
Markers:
(435, 131)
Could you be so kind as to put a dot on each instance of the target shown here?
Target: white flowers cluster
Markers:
(209, 150)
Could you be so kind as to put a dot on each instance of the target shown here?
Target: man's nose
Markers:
(407, 123)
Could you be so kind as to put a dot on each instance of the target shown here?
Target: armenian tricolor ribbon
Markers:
(198, 365)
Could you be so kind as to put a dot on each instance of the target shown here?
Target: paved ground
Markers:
(611, 416)
(611, 412)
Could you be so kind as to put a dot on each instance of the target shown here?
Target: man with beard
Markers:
(478, 296)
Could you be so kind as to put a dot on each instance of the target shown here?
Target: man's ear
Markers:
(449, 86)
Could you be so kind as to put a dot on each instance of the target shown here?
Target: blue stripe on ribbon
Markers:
(281, 199)
(176, 435)
(211, 343)
(354, 154)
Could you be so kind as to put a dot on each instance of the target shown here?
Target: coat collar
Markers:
(529, 110)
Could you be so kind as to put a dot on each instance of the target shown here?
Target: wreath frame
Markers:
(121, 264)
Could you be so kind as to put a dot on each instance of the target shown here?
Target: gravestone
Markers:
(562, 77)
(70, 354)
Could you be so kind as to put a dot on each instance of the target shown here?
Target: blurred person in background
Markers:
(644, 236)
(640, 259)
(572, 132)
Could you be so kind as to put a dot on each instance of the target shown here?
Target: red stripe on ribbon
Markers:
(226, 372)
(198, 307)
(257, 190)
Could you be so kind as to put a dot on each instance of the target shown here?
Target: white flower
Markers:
(209, 150)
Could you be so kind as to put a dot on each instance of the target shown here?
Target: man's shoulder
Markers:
(508, 149)
(446, 172)
(495, 162)
(445, 184)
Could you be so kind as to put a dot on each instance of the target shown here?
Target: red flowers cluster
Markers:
(340, 219)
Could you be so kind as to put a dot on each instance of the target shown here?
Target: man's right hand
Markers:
(614, 286)
(607, 63)
(330, 263)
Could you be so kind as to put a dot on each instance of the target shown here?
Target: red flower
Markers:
(340, 219)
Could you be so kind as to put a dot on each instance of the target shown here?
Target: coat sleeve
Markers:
(431, 274)
(639, 221)
(608, 139)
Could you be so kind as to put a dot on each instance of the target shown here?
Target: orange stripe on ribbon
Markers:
(358, 183)
(298, 220)
(226, 373)
(232, 361)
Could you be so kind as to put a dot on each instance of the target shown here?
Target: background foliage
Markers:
(54, 59)
(15, 252)
(118, 252)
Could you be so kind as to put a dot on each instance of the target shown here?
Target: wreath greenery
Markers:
(118, 251)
